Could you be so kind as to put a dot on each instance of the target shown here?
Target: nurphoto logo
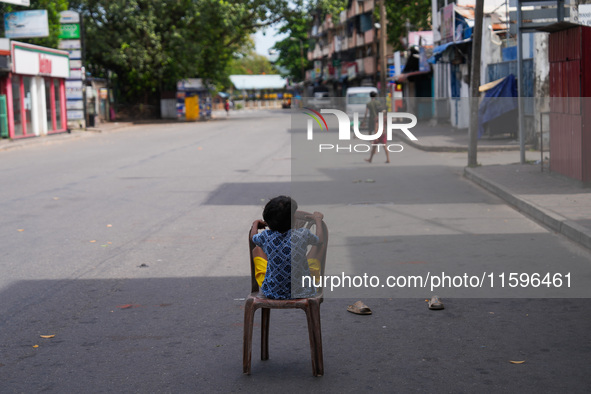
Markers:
(393, 120)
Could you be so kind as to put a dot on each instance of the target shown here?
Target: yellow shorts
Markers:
(260, 269)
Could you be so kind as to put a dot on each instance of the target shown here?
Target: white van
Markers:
(357, 99)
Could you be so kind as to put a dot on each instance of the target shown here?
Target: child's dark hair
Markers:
(279, 212)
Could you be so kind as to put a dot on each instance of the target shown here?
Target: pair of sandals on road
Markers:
(359, 308)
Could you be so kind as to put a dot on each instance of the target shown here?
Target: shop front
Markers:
(35, 90)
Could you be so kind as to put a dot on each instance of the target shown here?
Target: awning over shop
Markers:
(258, 82)
(439, 50)
(404, 77)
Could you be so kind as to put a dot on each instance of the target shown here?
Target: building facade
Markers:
(344, 49)
(34, 90)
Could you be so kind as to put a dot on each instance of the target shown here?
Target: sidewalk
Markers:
(7, 144)
(560, 203)
(443, 138)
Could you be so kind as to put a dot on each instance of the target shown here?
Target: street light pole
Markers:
(383, 39)
(474, 84)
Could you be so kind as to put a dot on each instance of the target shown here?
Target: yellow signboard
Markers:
(192, 107)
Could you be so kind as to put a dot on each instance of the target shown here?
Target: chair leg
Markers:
(265, 317)
(247, 339)
(317, 331)
(312, 336)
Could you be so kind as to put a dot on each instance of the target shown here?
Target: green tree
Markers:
(252, 63)
(151, 44)
(416, 12)
(296, 25)
(53, 7)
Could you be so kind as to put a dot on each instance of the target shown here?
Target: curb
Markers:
(452, 149)
(51, 138)
(552, 220)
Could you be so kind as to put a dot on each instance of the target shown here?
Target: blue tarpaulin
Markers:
(497, 101)
(438, 50)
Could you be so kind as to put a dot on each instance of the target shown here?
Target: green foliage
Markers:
(331, 7)
(53, 7)
(417, 12)
(252, 63)
(151, 44)
(296, 25)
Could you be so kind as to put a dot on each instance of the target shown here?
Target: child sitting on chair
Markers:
(285, 247)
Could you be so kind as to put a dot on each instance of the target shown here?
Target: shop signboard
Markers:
(352, 71)
(24, 3)
(318, 67)
(74, 89)
(190, 84)
(69, 31)
(26, 24)
(76, 73)
(75, 114)
(75, 54)
(585, 14)
(447, 23)
(74, 104)
(69, 44)
(35, 60)
(69, 17)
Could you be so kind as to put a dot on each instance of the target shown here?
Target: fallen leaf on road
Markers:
(127, 306)
(20, 230)
(47, 336)
(516, 362)
(93, 241)
(35, 345)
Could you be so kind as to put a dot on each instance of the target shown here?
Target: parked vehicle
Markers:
(320, 98)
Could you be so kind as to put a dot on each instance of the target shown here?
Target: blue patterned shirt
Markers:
(287, 263)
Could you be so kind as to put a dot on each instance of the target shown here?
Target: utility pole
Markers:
(383, 43)
(475, 83)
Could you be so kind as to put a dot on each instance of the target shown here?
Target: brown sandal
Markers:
(435, 303)
(359, 308)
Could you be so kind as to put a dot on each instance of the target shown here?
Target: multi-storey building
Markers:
(344, 48)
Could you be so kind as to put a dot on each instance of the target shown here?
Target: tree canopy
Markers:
(151, 44)
(417, 12)
(296, 25)
(251, 63)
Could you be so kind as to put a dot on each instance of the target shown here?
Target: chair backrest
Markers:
(302, 219)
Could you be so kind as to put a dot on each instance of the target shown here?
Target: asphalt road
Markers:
(130, 248)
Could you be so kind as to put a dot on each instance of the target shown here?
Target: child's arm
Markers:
(317, 216)
(256, 226)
